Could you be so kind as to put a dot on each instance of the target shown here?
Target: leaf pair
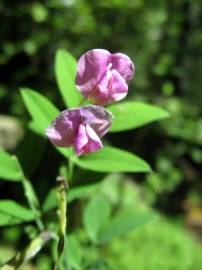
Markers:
(102, 228)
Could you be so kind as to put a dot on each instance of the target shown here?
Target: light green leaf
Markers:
(12, 213)
(65, 70)
(8, 167)
(111, 159)
(96, 215)
(66, 152)
(129, 115)
(72, 194)
(124, 223)
(50, 201)
(73, 252)
(81, 192)
(40, 108)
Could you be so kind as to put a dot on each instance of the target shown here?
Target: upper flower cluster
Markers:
(102, 78)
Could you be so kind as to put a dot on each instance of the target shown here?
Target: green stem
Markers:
(71, 168)
(62, 199)
(33, 202)
(31, 196)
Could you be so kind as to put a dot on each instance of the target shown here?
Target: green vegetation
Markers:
(40, 44)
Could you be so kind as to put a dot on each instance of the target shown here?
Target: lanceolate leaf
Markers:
(129, 115)
(65, 70)
(96, 215)
(73, 252)
(42, 112)
(123, 223)
(40, 108)
(8, 167)
(111, 159)
(12, 213)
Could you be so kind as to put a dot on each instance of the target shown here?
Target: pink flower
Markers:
(102, 77)
(81, 128)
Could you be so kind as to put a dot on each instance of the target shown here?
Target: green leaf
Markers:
(72, 194)
(100, 264)
(110, 159)
(65, 70)
(50, 201)
(81, 192)
(42, 112)
(40, 108)
(96, 215)
(73, 252)
(8, 167)
(66, 152)
(129, 115)
(124, 223)
(12, 213)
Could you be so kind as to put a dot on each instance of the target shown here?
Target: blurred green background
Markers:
(164, 39)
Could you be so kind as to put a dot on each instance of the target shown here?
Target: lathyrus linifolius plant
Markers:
(99, 79)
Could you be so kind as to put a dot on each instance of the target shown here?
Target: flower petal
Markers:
(119, 87)
(81, 140)
(62, 130)
(80, 127)
(94, 142)
(123, 64)
(91, 67)
(86, 140)
(98, 118)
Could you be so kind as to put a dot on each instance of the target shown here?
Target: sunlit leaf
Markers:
(12, 213)
(8, 167)
(129, 115)
(65, 70)
(111, 159)
(40, 108)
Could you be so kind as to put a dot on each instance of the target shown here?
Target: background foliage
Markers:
(164, 39)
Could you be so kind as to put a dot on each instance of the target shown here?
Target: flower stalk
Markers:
(62, 187)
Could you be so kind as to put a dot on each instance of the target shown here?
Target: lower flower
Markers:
(81, 128)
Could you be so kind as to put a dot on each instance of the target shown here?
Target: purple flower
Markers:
(81, 128)
(102, 77)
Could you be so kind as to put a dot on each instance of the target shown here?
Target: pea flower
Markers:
(103, 77)
(81, 128)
